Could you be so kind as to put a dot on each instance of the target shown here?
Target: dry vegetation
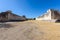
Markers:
(30, 30)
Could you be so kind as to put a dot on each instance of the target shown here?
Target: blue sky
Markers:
(30, 8)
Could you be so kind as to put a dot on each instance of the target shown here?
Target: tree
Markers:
(24, 16)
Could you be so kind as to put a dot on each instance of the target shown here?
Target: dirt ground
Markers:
(30, 30)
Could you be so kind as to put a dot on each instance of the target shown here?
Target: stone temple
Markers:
(50, 15)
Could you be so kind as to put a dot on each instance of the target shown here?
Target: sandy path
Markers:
(30, 30)
(19, 31)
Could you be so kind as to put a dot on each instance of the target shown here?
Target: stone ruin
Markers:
(9, 16)
(51, 15)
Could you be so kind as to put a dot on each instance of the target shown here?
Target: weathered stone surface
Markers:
(8, 15)
(51, 15)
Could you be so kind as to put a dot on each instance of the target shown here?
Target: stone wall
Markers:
(15, 17)
(51, 15)
(46, 16)
(7, 16)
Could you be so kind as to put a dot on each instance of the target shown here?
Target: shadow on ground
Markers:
(57, 21)
(14, 21)
(5, 25)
